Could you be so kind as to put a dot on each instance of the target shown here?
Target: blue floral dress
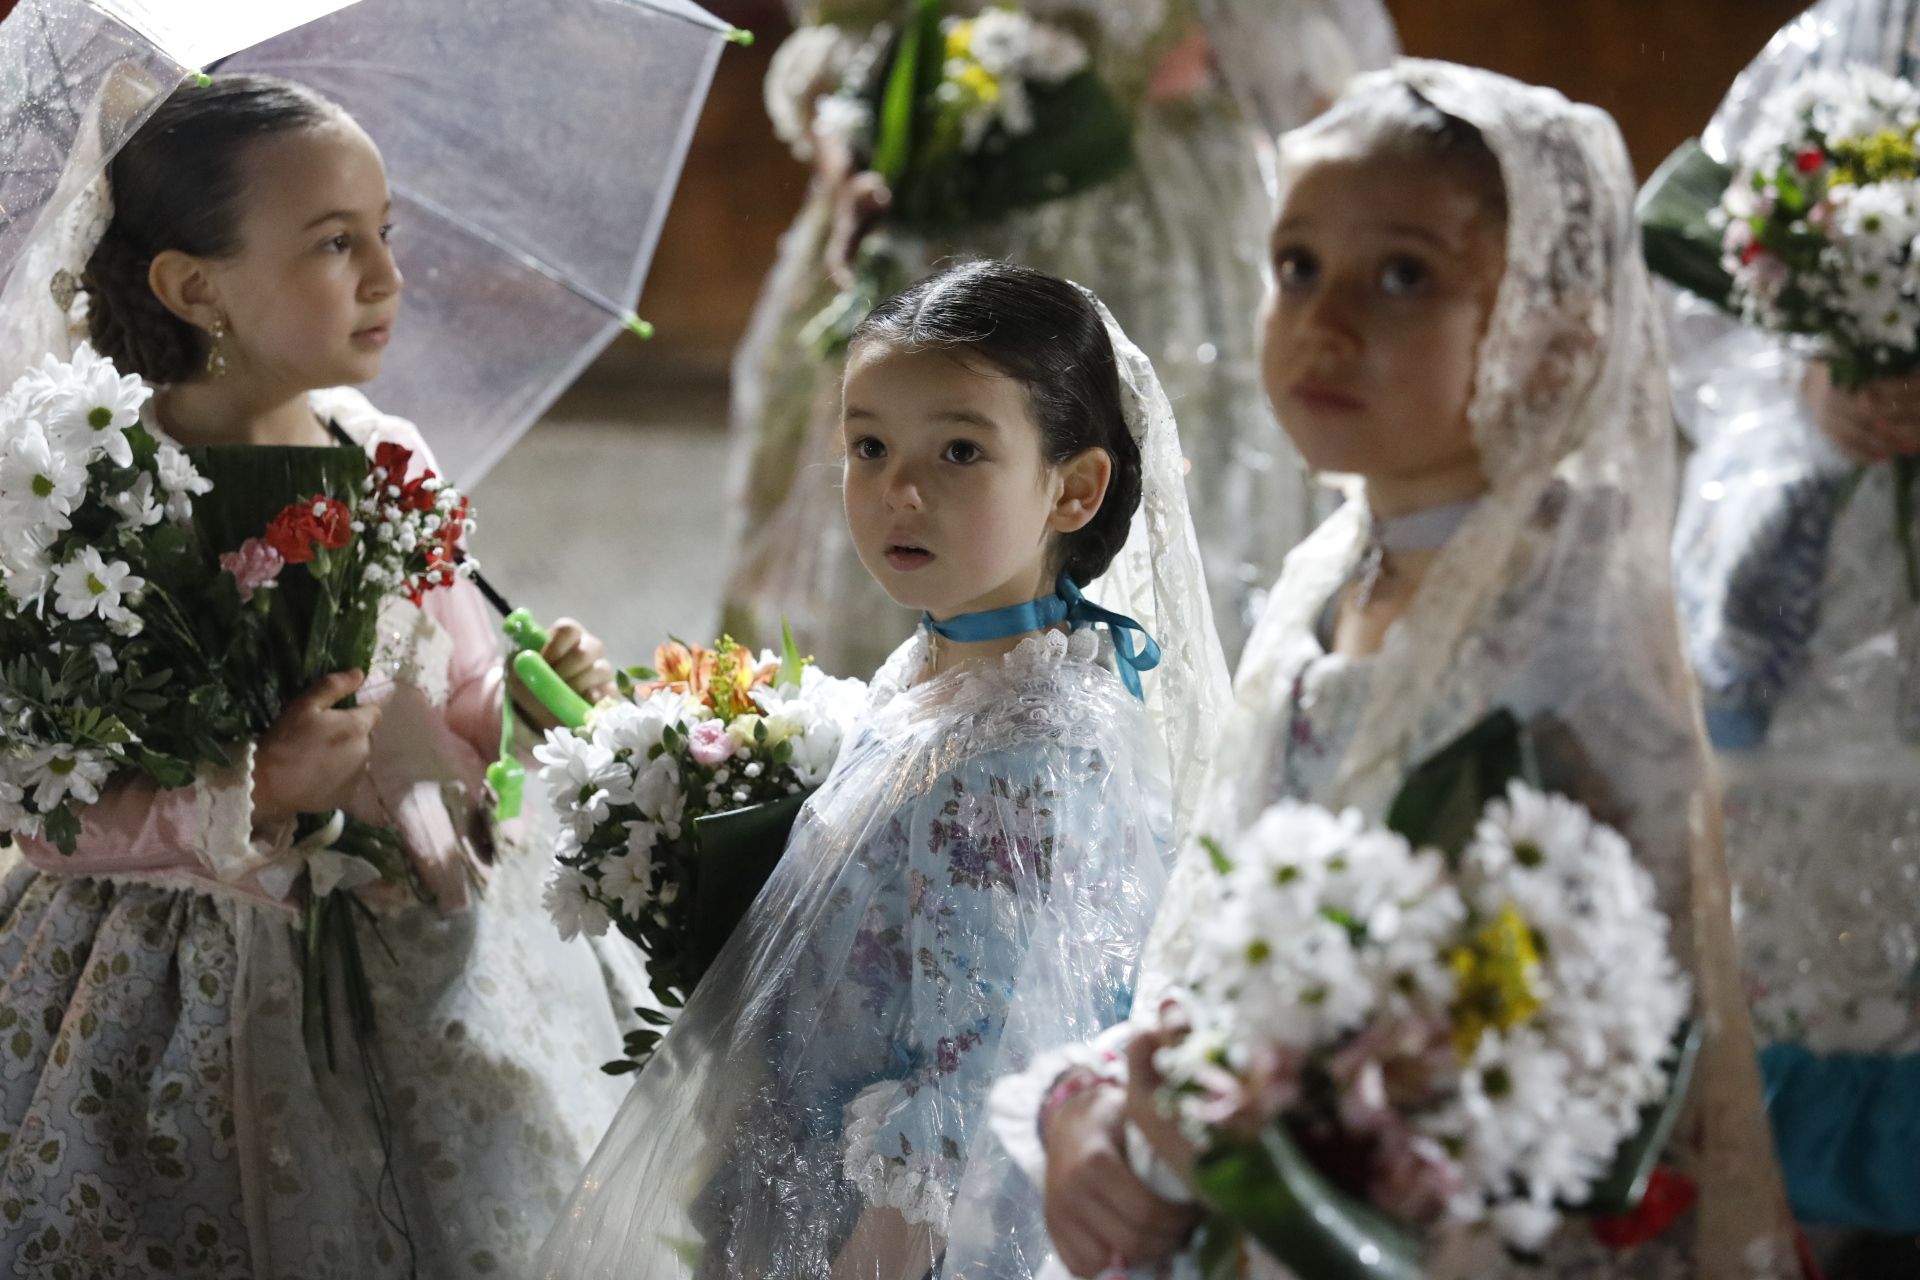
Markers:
(971, 886)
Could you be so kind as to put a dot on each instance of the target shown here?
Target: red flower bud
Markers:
(1810, 160)
(1669, 1195)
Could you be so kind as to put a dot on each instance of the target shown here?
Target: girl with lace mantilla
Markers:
(162, 1112)
(973, 883)
(1806, 634)
(1169, 244)
(1460, 319)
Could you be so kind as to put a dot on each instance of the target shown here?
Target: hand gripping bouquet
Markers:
(1470, 1013)
(675, 801)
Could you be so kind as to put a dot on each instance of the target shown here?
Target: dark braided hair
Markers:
(177, 185)
(1045, 334)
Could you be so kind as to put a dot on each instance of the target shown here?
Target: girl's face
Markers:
(1385, 271)
(950, 501)
(311, 297)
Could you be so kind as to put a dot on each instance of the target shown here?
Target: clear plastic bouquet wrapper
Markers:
(675, 800)
(1468, 1015)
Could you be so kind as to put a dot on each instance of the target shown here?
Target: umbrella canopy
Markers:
(532, 149)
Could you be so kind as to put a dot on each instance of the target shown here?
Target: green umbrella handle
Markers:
(529, 638)
(568, 707)
(507, 776)
(525, 632)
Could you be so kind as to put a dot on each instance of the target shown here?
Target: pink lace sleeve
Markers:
(139, 829)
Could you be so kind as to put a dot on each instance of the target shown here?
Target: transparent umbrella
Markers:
(532, 145)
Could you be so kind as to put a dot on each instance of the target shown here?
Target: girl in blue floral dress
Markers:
(972, 884)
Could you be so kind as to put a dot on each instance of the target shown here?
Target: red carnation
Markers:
(1751, 252)
(1809, 161)
(332, 523)
(319, 520)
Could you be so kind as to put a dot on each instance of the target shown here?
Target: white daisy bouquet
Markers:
(1821, 219)
(1814, 234)
(1386, 1034)
(109, 640)
(968, 118)
(675, 800)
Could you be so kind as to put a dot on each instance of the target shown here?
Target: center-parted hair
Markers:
(177, 184)
(1394, 120)
(1045, 334)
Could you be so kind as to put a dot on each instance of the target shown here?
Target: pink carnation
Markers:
(255, 566)
(710, 743)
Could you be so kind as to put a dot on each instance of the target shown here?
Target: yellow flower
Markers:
(1493, 974)
(1886, 156)
(979, 83)
(960, 40)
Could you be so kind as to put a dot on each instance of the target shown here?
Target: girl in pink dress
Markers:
(162, 1110)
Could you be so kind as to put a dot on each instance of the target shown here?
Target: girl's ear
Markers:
(185, 288)
(1083, 480)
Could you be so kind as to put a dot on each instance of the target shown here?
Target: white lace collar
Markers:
(1040, 652)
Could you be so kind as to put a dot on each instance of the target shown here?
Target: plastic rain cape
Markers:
(1802, 626)
(970, 887)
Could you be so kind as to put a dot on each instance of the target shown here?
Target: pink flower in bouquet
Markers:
(710, 743)
(255, 566)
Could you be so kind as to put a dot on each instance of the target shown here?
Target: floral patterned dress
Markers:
(162, 1111)
(970, 886)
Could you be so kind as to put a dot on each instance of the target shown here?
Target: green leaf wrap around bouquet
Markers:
(738, 851)
(314, 626)
(1440, 803)
(1676, 230)
(1269, 1192)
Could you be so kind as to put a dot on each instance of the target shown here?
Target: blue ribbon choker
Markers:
(1067, 604)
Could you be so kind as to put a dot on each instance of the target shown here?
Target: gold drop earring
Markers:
(216, 356)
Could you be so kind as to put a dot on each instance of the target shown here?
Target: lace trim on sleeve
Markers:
(917, 1183)
(223, 817)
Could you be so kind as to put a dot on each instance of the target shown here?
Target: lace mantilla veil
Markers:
(1570, 413)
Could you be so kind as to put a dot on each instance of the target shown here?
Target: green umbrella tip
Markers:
(201, 80)
(636, 326)
(740, 36)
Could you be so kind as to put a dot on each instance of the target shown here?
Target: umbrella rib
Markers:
(525, 259)
(718, 25)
